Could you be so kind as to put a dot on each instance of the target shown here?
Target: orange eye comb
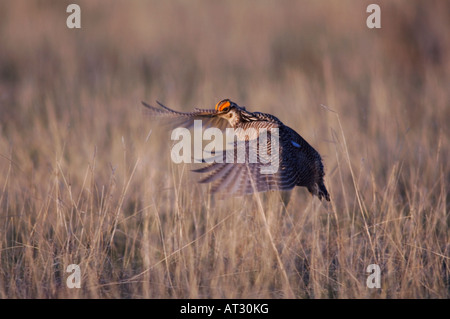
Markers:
(222, 104)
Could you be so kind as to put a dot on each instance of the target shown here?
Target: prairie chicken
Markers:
(299, 164)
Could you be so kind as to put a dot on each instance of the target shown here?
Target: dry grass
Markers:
(82, 182)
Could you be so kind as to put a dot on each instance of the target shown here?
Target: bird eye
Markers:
(225, 109)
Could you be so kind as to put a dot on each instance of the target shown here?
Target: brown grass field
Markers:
(87, 179)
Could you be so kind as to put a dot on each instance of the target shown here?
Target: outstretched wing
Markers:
(175, 119)
(260, 168)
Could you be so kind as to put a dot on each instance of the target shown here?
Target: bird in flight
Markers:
(298, 163)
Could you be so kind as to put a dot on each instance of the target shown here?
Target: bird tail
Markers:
(322, 192)
(319, 190)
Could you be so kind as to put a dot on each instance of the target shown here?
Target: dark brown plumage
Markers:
(299, 164)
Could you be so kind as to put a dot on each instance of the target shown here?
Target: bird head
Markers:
(228, 110)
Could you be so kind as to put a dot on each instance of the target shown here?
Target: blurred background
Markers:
(82, 182)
